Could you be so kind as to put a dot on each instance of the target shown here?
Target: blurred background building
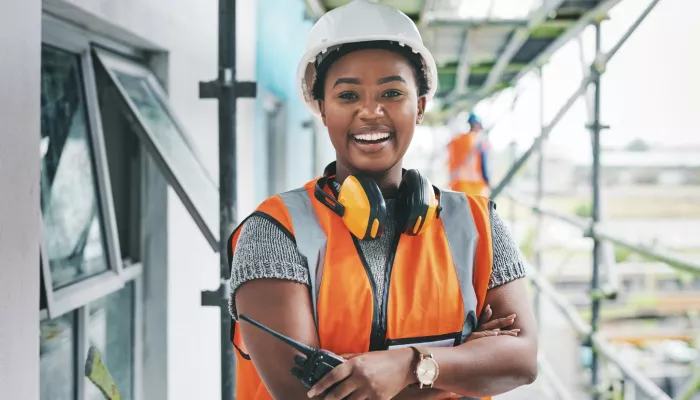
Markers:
(124, 239)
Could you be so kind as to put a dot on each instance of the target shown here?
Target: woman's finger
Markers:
(498, 323)
(481, 334)
(349, 355)
(341, 391)
(336, 375)
(486, 314)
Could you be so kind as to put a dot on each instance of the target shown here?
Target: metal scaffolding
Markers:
(226, 89)
(602, 350)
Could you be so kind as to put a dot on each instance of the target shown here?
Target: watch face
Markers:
(426, 371)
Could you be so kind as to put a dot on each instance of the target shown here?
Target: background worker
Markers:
(468, 160)
(315, 264)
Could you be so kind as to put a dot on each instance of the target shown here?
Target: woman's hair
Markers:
(414, 60)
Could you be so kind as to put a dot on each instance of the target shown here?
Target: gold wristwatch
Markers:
(427, 369)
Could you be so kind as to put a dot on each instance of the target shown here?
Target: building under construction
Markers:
(159, 125)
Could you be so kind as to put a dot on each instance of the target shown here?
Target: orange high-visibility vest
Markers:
(435, 290)
(466, 174)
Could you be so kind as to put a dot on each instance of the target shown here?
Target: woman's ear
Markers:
(421, 109)
(322, 107)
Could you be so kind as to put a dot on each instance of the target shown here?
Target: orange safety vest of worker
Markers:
(435, 290)
(466, 174)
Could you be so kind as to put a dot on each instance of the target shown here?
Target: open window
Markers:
(80, 253)
(145, 105)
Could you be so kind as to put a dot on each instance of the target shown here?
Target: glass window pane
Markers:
(171, 143)
(73, 229)
(57, 363)
(201, 188)
(111, 331)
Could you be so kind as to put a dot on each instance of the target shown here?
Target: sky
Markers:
(651, 89)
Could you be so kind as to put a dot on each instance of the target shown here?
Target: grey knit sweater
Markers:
(264, 251)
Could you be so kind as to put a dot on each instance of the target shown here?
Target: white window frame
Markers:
(70, 297)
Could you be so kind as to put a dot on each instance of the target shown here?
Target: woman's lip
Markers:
(372, 129)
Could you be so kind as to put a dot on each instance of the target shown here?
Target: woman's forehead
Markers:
(371, 62)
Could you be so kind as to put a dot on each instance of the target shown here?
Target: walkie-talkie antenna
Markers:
(306, 350)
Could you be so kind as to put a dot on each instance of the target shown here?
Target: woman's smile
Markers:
(371, 139)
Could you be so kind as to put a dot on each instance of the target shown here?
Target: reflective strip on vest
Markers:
(310, 237)
(460, 229)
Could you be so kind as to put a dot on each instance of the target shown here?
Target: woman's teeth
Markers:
(372, 137)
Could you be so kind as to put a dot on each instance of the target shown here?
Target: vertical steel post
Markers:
(538, 199)
(595, 215)
(227, 181)
(227, 90)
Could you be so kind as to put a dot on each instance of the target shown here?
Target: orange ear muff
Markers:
(365, 209)
(419, 203)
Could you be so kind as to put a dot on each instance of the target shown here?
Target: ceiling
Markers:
(484, 46)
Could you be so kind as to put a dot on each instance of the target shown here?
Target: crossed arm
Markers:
(493, 365)
(477, 368)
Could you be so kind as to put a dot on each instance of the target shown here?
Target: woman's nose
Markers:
(371, 109)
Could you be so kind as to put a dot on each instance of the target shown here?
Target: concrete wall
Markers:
(20, 36)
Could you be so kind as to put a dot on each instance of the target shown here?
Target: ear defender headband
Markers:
(361, 206)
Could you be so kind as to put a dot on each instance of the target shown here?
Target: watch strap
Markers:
(422, 353)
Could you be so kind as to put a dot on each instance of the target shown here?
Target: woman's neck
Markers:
(388, 181)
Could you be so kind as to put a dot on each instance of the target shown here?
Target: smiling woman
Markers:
(374, 109)
(371, 261)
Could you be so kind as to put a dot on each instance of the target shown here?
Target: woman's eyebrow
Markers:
(381, 81)
(393, 78)
(350, 81)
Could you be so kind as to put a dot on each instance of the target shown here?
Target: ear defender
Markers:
(360, 205)
(419, 203)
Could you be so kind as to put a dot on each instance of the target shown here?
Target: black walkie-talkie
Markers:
(313, 366)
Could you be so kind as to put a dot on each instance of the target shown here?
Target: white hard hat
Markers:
(360, 21)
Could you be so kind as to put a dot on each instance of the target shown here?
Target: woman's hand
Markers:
(378, 375)
(385, 374)
(487, 327)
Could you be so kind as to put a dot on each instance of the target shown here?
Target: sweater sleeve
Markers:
(508, 264)
(264, 251)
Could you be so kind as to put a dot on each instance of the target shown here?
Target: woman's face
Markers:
(371, 107)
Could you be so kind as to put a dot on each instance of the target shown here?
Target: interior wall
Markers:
(20, 38)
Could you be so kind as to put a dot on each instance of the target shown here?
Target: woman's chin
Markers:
(372, 167)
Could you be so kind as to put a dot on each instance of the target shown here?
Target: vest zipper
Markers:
(381, 335)
(376, 325)
(377, 340)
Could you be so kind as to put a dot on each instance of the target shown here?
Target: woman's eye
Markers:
(347, 96)
(392, 93)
